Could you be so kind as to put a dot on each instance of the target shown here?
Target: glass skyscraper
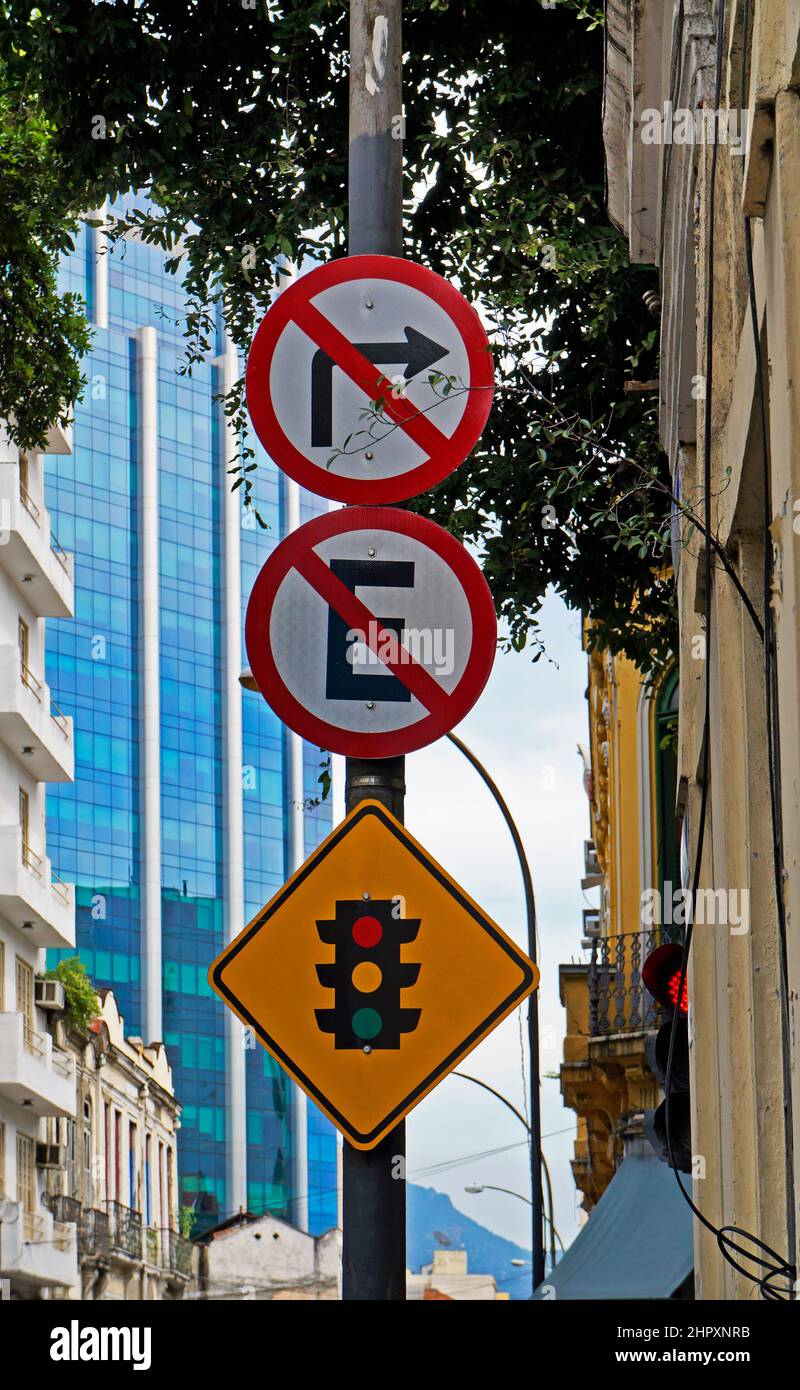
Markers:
(188, 807)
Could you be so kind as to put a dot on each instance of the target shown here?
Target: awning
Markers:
(637, 1243)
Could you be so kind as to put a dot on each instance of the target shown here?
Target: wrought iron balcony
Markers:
(125, 1230)
(94, 1233)
(176, 1252)
(64, 1209)
(618, 1000)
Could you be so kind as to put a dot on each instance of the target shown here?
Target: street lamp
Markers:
(484, 1085)
(535, 1128)
(477, 1187)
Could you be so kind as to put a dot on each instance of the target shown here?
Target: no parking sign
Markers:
(371, 632)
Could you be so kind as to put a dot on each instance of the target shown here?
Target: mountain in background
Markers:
(433, 1222)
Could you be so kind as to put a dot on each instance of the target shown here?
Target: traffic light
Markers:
(661, 974)
(367, 974)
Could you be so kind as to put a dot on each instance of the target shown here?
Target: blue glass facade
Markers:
(95, 831)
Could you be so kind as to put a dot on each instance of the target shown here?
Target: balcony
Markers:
(31, 726)
(605, 1076)
(32, 896)
(65, 1210)
(619, 1004)
(29, 553)
(125, 1230)
(176, 1253)
(36, 1249)
(33, 1071)
(94, 1237)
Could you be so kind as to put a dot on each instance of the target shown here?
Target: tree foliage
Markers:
(235, 119)
(42, 332)
(79, 992)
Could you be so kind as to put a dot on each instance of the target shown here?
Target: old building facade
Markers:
(606, 1077)
(116, 1180)
(702, 132)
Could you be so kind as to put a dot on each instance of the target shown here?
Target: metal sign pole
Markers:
(374, 1188)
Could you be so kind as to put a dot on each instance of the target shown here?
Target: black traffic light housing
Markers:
(367, 974)
(661, 975)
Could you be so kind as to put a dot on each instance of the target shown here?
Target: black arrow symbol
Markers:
(417, 353)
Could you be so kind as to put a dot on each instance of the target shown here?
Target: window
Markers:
(88, 1185)
(133, 1200)
(107, 1147)
(25, 1005)
(24, 645)
(2, 1159)
(117, 1155)
(162, 1186)
(26, 1173)
(25, 823)
(23, 479)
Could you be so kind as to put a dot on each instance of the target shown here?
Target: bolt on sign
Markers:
(370, 379)
(371, 974)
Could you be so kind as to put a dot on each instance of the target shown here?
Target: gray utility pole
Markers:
(374, 1195)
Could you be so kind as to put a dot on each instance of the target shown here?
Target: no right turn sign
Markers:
(370, 379)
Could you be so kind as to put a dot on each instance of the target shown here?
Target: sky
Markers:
(525, 729)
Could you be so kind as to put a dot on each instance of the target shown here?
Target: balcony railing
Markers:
(125, 1229)
(33, 1226)
(618, 1000)
(93, 1233)
(28, 502)
(62, 1063)
(34, 1042)
(59, 718)
(62, 1235)
(59, 552)
(66, 1210)
(31, 859)
(59, 887)
(151, 1244)
(176, 1252)
(30, 680)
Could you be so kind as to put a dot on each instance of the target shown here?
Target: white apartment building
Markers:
(38, 1255)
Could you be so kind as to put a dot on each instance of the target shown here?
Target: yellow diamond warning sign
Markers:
(371, 974)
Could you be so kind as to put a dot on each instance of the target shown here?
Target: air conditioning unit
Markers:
(51, 1155)
(50, 994)
(591, 922)
(593, 874)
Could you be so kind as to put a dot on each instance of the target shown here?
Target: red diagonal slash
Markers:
(352, 611)
(372, 382)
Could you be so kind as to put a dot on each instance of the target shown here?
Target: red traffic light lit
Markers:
(661, 974)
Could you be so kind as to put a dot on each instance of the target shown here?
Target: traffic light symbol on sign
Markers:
(367, 975)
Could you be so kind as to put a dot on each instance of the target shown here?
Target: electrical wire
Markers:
(727, 1237)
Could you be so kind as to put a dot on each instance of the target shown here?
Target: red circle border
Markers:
(360, 490)
(330, 736)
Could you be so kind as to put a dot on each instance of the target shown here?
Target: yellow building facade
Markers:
(630, 779)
